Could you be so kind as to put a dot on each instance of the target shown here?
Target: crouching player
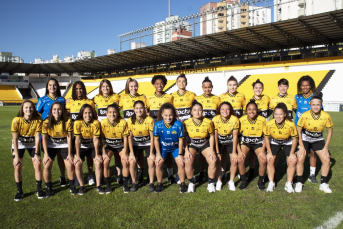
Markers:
(168, 136)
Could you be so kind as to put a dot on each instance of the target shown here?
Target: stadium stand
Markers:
(9, 94)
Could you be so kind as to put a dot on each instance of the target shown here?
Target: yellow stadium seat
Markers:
(9, 94)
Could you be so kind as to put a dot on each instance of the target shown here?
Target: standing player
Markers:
(168, 137)
(306, 89)
(87, 143)
(200, 131)
(310, 127)
(56, 131)
(26, 129)
(281, 133)
(52, 94)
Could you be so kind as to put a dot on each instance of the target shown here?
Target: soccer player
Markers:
(141, 129)
(200, 131)
(52, 94)
(56, 131)
(168, 136)
(114, 141)
(183, 99)
(154, 103)
(78, 99)
(87, 143)
(261, 100)
(281, 133)
(26, 129)
(226, 127)
(252, 127)
(210, 104)
(310, 127)
(306, 89)
(283, 97)
(105, 97)
(234, 97)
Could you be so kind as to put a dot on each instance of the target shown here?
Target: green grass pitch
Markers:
(250, 208)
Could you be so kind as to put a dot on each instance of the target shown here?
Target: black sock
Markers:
(260, 179)
(300, 179)
(191, 180)
(251, 172)
(48, 185)
(323, 179)
(125, 180)
(20, 186)
(140, 172)
(71, 183)
(244, 178)
(39, 185)
(202, 174)
(107, 180)
(211, 180)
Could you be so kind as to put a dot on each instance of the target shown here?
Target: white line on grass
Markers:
(333, 222)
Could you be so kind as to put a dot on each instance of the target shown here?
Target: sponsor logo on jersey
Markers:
(24, 139)
(281, 142)
(86, 141)
(58, 141)
(128, 113)
(141, 138)
(174, 132)
(102, 111)
(313, 134)
(225, 139)
(251, 140)
(209, 113)
(118, 141)
(73, 116)
(183, 111)
(169, 143)
(198, 141)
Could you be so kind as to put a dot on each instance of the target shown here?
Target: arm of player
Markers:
(46, 157)
(132, 154)
(159, 158)
(16, 159)
(37, 149)
(328, 140)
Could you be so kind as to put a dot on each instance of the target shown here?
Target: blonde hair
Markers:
(129, 80)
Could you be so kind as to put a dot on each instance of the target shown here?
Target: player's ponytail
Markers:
(207, 80)
(252, 101)
(256, 82)
(134, 117)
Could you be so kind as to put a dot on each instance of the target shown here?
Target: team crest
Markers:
(174, 132)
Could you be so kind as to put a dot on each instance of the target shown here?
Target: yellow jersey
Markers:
(199, 134)
(289, 100)
(313, 127)
(57, 138)
(27, 131)
(210, 105)
(102, 102)
(154, 103)
(225, 128)
(237, 101)
(183, 103)
(252, 132)
(281, 135)
(74, 107)
(87, 132)
(262, 105)
(141, 131)
(126, 103)
(113, 133)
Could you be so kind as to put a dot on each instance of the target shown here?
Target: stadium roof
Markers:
(325, 28)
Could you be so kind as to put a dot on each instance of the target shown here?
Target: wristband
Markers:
(37, 154)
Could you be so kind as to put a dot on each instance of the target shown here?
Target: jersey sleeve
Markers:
(236, 125)
(126, 131)
(77, 129)
(121, 103)
(294, 132)
(266, 131)
(171, 100)
(68, 105)
(92, 104)
(181, 133)
(301, 121)
(243, 102)
(264, 123)
(156, 132)
(211, 128)
(147, 103)
(39, 105)
(15, 125)
(69, 126)
(294, 104)
(96, 129)
(272, 105)
(39, 126)
(151, 125)
(45, 128)
(329, 123)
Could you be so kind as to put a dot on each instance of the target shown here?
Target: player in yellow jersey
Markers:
(130, 97)
(57, 130)
(73, 105)
(87, 143)
(154, 103)
(26, 129)
(114, 142)
(200, 131)
(105, 97)
(252, 127)
(284, 97)
(281, 133)
(183, 99)
(310, 127)
(141, 129)
(226, 126)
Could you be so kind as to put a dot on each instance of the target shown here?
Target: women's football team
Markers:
(172, 129)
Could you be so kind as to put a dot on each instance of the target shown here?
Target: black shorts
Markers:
(252, 147)
(139, 149)
(319, 145)
(21, 152)
(225, 148)
(276, 149)
(199, 150)
(88, 152)
(114, 150)
(52, 152)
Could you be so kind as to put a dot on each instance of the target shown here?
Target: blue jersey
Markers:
(44, 103)
(169, 136)
(303, 106)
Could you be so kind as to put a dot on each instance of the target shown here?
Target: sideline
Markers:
(333, 222)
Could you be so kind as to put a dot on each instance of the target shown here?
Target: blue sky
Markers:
(42, 28)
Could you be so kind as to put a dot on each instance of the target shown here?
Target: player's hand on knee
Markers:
(16, 161)
(234, 158)
(181, 160)
(270, 157)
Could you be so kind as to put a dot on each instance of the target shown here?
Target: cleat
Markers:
(289, 187)
(126, 189)
(91, 180)
(63, 182)
(120, 179)
(183, 187)
(171, 180)
(108, 190)
(271, 186)
(100, 190)
(19, 196)
(299, 187)
(49, 193)
(325, 188)
(201, 178)
(191, 188)
(211, 188)
(243, 185)
(312, 179)
(231, 186)
(134, 187)
(219, 185)
(151, 187)
(82, 190)
(261, 186)
(40, 194)
(73, 190)
(159, 188)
